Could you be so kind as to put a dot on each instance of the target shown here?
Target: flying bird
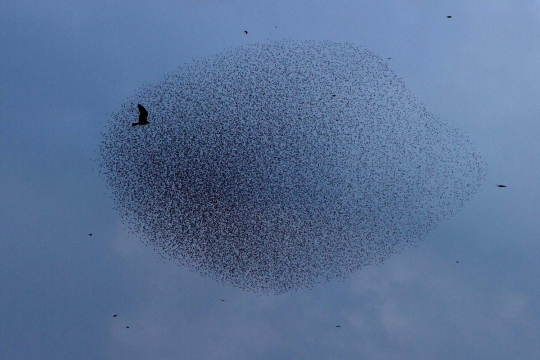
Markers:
(338, 325)
(115, 315)
(501, 185)
(449, 16)
(221, 300)
(389, 58)
(90, 234)
(143, 116)
(457, 262)
(245, 31)
(127, 327)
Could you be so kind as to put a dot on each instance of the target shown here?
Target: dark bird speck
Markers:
(245, 31)
(115, 315)
(449, 17)
(501, 186)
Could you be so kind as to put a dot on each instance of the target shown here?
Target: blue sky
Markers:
(65, 65)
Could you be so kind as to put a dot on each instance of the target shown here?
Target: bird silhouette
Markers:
(501, 185)
(221, 300)
(115, 315)
(90, 234)
(143, 116)
(338, 325)
(449, 16)
(245, 31)
(389, 58)
(127, 327)
(457, 262)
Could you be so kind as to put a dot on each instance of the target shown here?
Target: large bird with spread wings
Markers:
(143, 116)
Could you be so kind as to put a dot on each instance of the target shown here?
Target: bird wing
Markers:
(142, 110)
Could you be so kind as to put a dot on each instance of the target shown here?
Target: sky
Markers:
(65, 65)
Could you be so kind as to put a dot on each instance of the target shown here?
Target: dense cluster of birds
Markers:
(274, 167)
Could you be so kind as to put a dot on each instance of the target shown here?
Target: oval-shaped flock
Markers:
(274, 167)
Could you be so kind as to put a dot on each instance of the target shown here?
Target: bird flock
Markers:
(274, 167)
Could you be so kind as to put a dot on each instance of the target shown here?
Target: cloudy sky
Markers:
(64, 65)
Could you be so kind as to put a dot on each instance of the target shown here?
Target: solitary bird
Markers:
(127, 327)
(501, 185)
(389, 58)
(457, 262)
(338, 325)
(115, 315)
(221, 300)
(90, 234)
(143, 116)
(449, 16)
